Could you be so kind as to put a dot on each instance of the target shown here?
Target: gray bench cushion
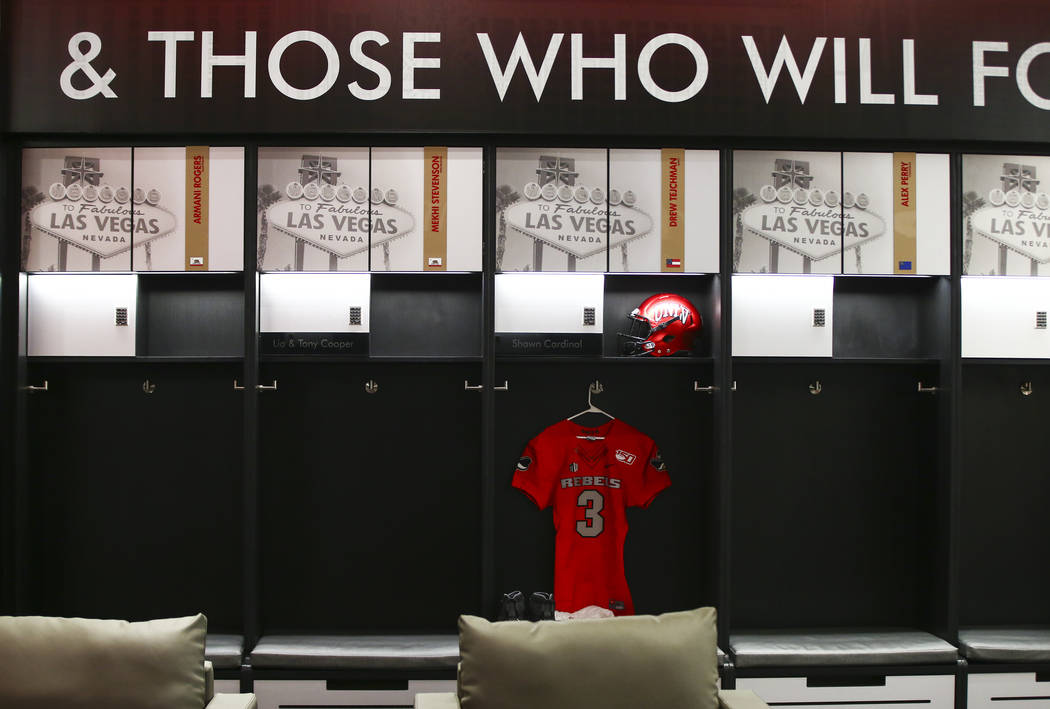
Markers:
(1005, 644)
(322, 652)
(224, 651)
(881, 647)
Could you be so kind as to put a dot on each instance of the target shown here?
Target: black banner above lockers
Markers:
(880, 69)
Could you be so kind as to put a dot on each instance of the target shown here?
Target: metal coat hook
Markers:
(815, 388)
(928, 390)
(267, 387)
(505, 387)
(467, 386)
(36, 388)
(1026, 389)
(594, 388)
(371, 387)
(148, 387)
(237, 386)
(711, 389)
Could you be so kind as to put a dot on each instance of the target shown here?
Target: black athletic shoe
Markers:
(511, 606)
(541, 606)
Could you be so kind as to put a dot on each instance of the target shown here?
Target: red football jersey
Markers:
(591, 475)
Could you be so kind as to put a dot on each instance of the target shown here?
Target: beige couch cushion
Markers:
(657, 662)
(61, 663)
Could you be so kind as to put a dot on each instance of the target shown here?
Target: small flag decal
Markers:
(674, 263)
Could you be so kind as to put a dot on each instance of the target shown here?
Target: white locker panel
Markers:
(465, 192)
(773, 315)
(933, 691)
(635, 244)
(872, 174)
(307, 228)
(165, 170)
(1006, 690)
(75, 315)
(702, 192)
(869, 246)
(999, 317)
(397, 171)
(225, 214)
(793, 221)
(933, 215)
(283, 694)
(72, 228)
(549, 207)
(548, 302)
(313, 302)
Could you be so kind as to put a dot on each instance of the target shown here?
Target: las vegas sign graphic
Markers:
(813, 223)
(100, 219)
(335, 218)
(1018, 220)
(576, 219)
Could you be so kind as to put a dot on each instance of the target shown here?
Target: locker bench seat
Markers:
(1018, 645)
(224, 651)
(356, 652)
(844, 648)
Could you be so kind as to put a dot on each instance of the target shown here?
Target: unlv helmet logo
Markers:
(670, 309)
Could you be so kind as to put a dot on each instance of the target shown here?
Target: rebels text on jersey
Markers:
(590, 476)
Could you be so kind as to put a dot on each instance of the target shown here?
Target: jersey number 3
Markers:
(593, 522)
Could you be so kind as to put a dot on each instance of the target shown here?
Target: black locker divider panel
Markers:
(194, 315)
(670, 554)
(136, 511)
(370, 503)
(1004, 487)
(832, 495)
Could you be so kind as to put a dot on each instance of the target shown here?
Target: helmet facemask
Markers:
(638, 331)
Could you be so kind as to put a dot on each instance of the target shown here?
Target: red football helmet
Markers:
(664, 324)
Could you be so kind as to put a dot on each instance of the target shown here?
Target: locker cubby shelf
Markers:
(890, 317)
(412, 316)
(426, 315)
(841, 317)
(386, 359)
(836, 360)
(630, 361)
(625, 292)
(190, 315)
(155, 359)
